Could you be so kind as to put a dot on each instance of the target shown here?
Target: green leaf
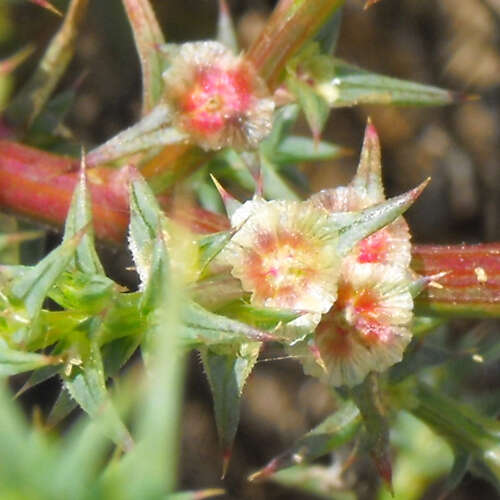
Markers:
(13, 361)
(87, 385)
(329, 33)
(211, 245)
(202, 327)
(259, 317)
(352, 86)
(295, 149)
(62, 407)
(227, 375)
(368, 399)
(152, 131)
(148, 39)
(275, 187)
(284, 119)
(354, 226)
(314, 106)
(84, 293)
(79, 217)
(145, 219)
(338, 429)
(33, 285)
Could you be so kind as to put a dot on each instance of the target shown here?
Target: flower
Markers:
(366, 329)
(285, 254)
(217, 98)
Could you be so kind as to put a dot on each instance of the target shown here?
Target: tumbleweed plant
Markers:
(234, 257)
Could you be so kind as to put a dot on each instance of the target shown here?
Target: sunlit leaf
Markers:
(351, 86)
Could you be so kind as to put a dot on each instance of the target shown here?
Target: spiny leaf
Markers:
(84, 293)
(296, 149)
(259, 317)
(202, 327)
(153, 131)
(368, 398)
(28, 103)
(47, 5)
(148, 39)
(226, 33)
(338, 429)
(227, 375)
(352, 86)
(275, 186)
(13, 361)
(62, 407)
(314, 106)
(284, 119)
(211, 245)
(32, 286)
(369, 173)
(86, 384)
(145, 219)
(329, 34)
(80, 216)
(354, 226)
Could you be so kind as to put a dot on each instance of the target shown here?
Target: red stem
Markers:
(39, 185)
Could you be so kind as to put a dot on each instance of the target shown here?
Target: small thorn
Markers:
(384, 468)
(370, 131)
(265, 472)
(317, 357)
(47, 5)
(230, 202)
(226, 458)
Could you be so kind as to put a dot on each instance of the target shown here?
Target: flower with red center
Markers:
(366, 329)
(217, 98)
(285, 254)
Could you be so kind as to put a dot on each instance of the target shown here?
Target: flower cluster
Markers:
(355, 308)
(367, 328)
(217, 98)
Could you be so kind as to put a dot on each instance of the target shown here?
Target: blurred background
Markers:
(450, 44)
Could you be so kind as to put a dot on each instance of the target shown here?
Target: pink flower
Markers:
(366, 329)
(217, 97)
(285, 254)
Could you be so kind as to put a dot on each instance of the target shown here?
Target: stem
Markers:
(291, 25)
(39, 185)
(472, 286)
